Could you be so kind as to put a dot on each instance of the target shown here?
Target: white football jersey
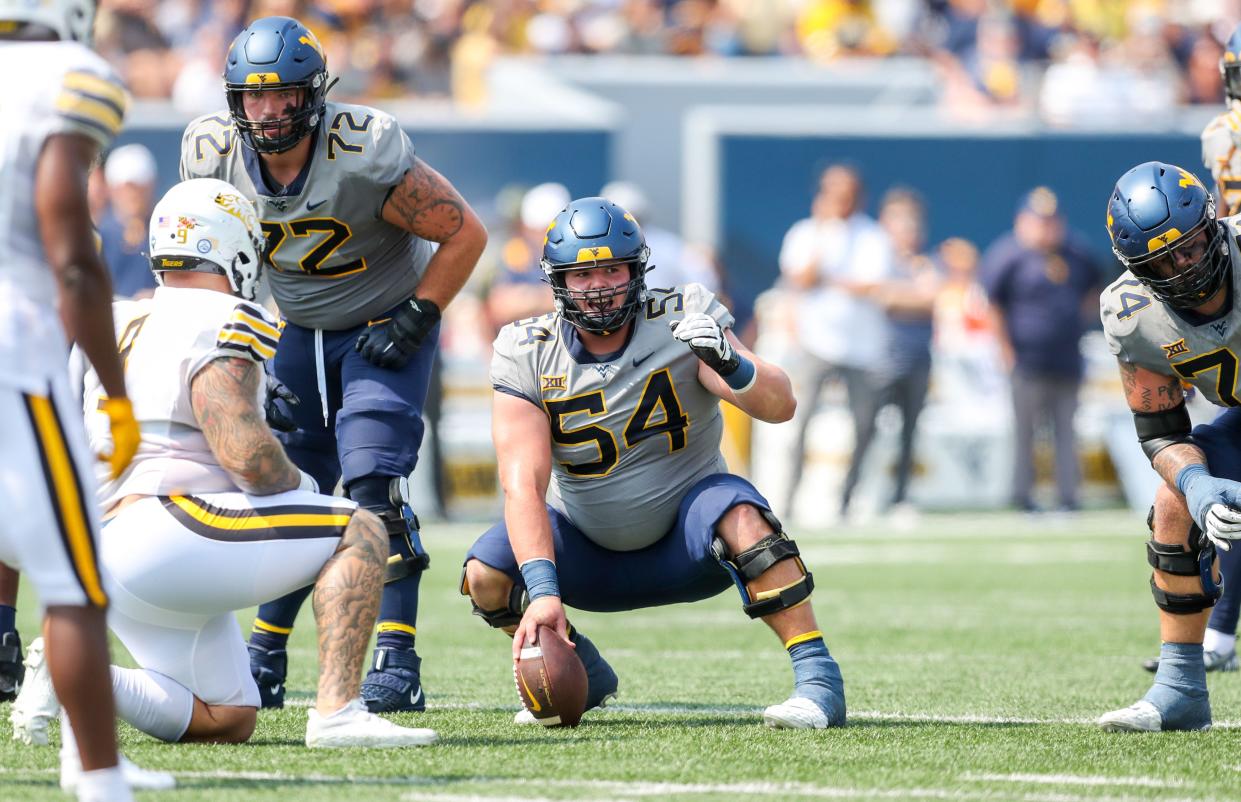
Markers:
(1222, 157)
(164, 342)
(52, 88)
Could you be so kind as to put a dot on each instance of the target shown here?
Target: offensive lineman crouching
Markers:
(212, 516)
(1173, 317)
(612, 403)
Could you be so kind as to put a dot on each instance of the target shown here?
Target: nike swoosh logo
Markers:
(534, 702)
(313, 206)
(275, 689)
(638, 360)
(414, 697)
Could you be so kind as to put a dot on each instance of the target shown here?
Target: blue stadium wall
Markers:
(971, 185)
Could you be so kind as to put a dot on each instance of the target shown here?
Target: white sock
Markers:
(156, 704)
(103, 785)
(1218, 642)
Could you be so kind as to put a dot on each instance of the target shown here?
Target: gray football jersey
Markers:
(1145, 332)
(631, 431)
(333, 262)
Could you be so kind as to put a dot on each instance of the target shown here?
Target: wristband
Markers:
(743, 378)
(540, 577)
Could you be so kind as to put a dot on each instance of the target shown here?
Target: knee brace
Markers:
(507, 616)
(1198, 561)
(752, 563)
(388, 498)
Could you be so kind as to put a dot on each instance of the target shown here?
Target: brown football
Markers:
(551, 681)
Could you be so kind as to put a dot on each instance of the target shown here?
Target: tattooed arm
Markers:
(224, 395)
(1147, 391)
(428, 206)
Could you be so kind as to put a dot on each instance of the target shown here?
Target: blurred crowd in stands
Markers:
(1071, 60)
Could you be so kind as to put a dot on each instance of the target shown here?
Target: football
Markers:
(551, 681)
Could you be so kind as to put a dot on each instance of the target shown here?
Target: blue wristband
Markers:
(540, 577)
(743, 377)
(1188, 474)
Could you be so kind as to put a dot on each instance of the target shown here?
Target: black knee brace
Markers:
(752, 563)
(388, 498)
(1172, 559)
(506, 616)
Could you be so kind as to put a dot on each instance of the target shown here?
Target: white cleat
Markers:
(524, 716)
(138, 778)
(796, 713)
(354, 725)
(36, 704)
(1141, 716)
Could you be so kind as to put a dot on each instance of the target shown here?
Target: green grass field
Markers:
(976, 650)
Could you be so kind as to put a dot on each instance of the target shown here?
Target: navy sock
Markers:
(280, 614)
(1180, 689)
(601, 679)
(816, 677)
(1224, 615)
(398, 613)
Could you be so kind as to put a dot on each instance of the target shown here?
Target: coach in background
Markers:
(831, 259)
(1042, 283)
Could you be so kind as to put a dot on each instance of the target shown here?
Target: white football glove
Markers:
(1223, 525)
(706, 339)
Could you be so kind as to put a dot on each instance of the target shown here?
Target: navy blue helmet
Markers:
(276, 53)
(588, 233)
(1230, 66)
(1162, 223)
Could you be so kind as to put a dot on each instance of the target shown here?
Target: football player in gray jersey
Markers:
(607, 429)
(366, 244)
(1173, 318)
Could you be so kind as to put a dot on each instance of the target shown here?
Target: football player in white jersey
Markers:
(607, 426)
(67, 106)
(1172, 318)
(212, 516)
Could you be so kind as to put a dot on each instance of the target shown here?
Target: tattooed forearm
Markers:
(1147, 391)
(224, 396)
(1169, 462)
(346, 604)
(426, 204)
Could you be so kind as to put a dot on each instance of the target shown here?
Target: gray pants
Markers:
(1035, 399)
(861, 392)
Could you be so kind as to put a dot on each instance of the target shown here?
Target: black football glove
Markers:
(392, 343)
(276, 406)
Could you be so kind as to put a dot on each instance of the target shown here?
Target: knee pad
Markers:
(752, 563)
(507, 616)
(388, 498)
(1198, 561)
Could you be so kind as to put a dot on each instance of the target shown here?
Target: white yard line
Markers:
(1076, 779)
(434, 789)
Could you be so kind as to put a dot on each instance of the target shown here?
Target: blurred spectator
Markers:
(829, 29)
(908, 298)
(1203, 82)
(518, 290)
(832, 260)
(674, 262)
(1078, 88)
(130, 176)
(1043, 285)
(989, 74)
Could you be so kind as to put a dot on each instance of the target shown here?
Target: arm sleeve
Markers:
(392, 156)
(512, 368)
(90, 100)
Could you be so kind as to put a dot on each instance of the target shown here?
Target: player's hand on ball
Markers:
(276, 405)
(125, 434)
(706, 339)
(392, 343)
(545, 611)
(1223, 525)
